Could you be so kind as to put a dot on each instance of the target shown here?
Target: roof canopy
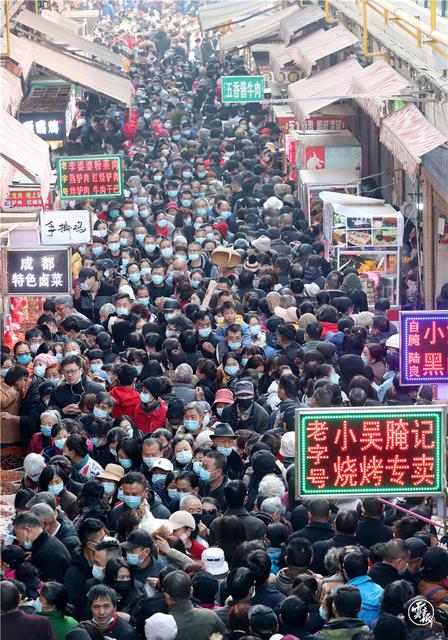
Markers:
(21, 149)
(11, 94)
(21, 52)
(409, 135)
(321, 43)
(291, 26)
(256, 29)
(312, 94)
(59, 34)
(221, 13)
(378, 78)
(72, 69)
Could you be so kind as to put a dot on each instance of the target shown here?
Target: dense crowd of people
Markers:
(156, 403)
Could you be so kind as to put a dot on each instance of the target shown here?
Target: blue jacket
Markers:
(371, 594)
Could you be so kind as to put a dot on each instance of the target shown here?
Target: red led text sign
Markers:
(424, 347)
(89, 177)
(25, 199)
(353, 452)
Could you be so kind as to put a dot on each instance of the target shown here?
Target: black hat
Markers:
(435, 564)
(205, 586)
(104, 264)
(154, 386)
(223, 430)
(171, 304)
(417, 547)
(176, 409)
(389, 626)
(94, 329)
(86, 272)
(13, 555)
(138, 539)
(45, 389)
(262, 619)
(327, 349)
(91, 489)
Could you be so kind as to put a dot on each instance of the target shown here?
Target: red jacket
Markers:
(328, 326)
(149, 422)
(127, 400)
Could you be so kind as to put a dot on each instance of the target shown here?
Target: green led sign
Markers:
(89, 177)
(354, 452)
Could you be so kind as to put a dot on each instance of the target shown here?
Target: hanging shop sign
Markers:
(38, 272)
(49, 110)
(242, 89)
(423, 348)
(65, 227)
(89, 177)
(352, 452)
(23, 198)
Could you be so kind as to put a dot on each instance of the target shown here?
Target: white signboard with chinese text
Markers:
(65, 227)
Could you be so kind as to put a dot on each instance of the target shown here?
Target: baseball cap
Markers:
(244, 387)
(393, 341)
(214, 561)
(417, 548)
(164, 464)
(262, 619)
(138, 539)
(160, 626)
(86, 272)
(180, 519)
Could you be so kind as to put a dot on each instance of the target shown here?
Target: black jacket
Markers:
(50, 556)
(65, 394)
(67, 535)
(23, 626)
(120, 630)
(320, 549)
(235, 467)
(89, 306)
(76, 577)
(258, 419)
(371, 530)
(218, 493)
(315, 531)
(254, 529)
(383, 574)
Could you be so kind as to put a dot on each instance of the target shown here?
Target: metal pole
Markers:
(433, 7)
(411, 513)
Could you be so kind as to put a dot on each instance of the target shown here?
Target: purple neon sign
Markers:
(424, 347)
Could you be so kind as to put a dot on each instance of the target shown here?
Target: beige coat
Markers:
(9, 402)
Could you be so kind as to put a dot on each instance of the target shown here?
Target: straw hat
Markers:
(225, 257)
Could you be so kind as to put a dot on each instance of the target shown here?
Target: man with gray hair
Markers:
(274, 508)
(183, 383)
(281, 190)
(273, 300)
(62, 529)
(65, 309)
(106, 311)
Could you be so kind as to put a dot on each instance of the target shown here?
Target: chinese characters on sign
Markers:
(424, 347)
(38, 272)
(25, 199)
(65, 227)
(47, 127)
(345, 452)
(89, 177)
(242, 89)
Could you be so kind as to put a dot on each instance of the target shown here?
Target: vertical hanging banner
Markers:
(352, 452)
(423, 347)
(38, 272)
(89, 177)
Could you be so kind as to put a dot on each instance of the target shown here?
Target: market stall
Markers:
(311, 182)
(365, 233)
(327, 150)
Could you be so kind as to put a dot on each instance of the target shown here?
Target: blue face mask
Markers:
(46, 430)
(97, 251)
(231, 370)
(197, 466)
(140, 237)
(183, 494)
(109, 488)
(184, 457)
(114, 246)
(95, 441)
(226, 451)
(172, 493)
(133, 559)
(56, 489)
(191, 425)
(125, 463)
(27, 545)
(134, 277)
(225, 214)
(96, 366)
(157, 279)
(150, 248)
(186, 203)
(150, 461)
(144, 301)
(193, 256)
(234, 345)
(205, 475)
(145, 397)
(113, 452)
(172, 193)
(24, 358)
(254, 329)
(59, 443)
(167, 252)
(158, 479)
(4, 371)
(334, 378)
(133, 502)
(201, 212)
(244, 361)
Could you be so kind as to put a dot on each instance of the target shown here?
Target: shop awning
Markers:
(11, 93)
(321, 44)
(256, 29)
(24, 151)
(72, 69)
(281, 56)
(67, 23)
(290, 27)
(222, 13)
(326, 87)
(379, 80)
(22, 53)
(409, 135)
(50, 31)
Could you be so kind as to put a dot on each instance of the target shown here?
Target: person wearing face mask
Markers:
(245, 413)
(17, 425)
(103, 603)
(119, 576)
(224, 441)
(51, 604)
(150, 414)
(33, 465)
(93, 294)
(42, 438)
(141, 556)
(183, 525)
(48, 553)
(76, 450)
